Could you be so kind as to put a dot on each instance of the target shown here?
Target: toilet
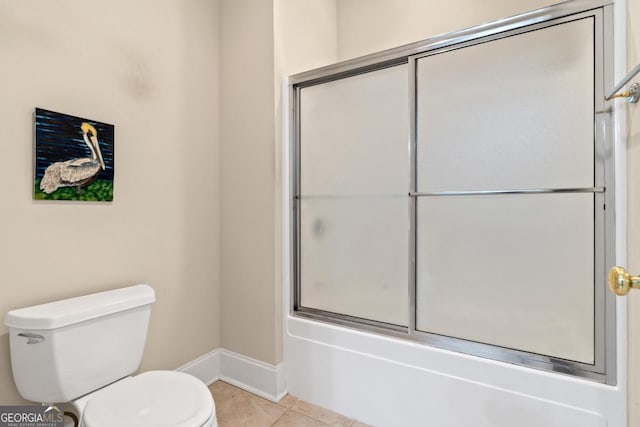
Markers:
(83, 351)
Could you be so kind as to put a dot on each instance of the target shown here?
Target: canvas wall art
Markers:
(73, 158)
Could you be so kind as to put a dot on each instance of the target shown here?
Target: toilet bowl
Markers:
(83, 351)
(150, 399)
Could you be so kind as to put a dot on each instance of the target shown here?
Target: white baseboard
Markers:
(206, 367)
(249, 374)
(252, 375)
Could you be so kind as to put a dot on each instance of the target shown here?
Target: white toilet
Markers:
(82, 351)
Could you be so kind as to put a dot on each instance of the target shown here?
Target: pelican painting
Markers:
(74, 158)
(77, 173)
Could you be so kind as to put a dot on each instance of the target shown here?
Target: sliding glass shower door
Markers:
(506, 192)
(455, 193)
(354, 219)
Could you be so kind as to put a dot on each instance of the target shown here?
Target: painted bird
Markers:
(79, 172)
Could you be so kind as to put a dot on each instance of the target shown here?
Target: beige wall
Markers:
(149, 67)
(367, 26)
(305, 36)
(260, 43)
(633, 212)
(249, 324)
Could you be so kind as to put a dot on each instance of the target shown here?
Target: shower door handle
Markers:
(621, 282)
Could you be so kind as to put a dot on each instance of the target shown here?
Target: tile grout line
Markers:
(286, 411)
(307, 416)
(281, 415)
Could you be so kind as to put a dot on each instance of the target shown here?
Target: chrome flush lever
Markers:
(33, 338)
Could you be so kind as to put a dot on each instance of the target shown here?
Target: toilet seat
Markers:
(152, 399)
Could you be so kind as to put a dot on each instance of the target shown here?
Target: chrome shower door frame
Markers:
(604, 368)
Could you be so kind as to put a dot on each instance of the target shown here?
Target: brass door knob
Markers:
(621, 282)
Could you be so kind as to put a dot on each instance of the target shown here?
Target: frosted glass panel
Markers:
(353, 135)
(511, 113)
(353, 187)
(514, 271)
(354, 257)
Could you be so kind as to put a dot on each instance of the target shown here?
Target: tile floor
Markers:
(238, 408)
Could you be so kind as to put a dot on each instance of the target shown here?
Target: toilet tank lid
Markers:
(74, 310)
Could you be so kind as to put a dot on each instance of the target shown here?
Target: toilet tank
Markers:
(68, 348)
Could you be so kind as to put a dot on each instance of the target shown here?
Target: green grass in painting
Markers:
(98, 191)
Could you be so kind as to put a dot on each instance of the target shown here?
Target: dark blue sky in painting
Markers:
(59, 138)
